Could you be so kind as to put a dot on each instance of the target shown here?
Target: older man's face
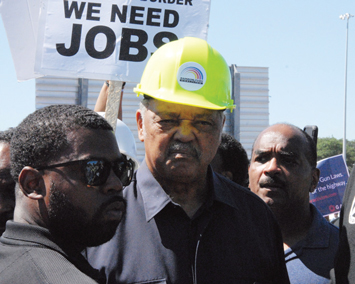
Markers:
(7, 187)
(180, 141)
(279, 171)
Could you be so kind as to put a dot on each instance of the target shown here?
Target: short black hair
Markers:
(235, 158)
(5, 136)
(42, 135)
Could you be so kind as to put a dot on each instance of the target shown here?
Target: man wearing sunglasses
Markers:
(184, 223)
(69, 177)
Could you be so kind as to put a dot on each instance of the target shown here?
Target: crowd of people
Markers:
(80, 208)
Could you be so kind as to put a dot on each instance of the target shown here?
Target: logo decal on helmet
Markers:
(191, 76)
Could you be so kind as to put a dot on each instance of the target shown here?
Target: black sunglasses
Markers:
(98, 171)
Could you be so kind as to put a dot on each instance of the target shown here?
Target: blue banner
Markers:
(328, 195)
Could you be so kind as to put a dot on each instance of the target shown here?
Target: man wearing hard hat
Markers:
(186, 224)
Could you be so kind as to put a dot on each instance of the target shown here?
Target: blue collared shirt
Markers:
(311, 259)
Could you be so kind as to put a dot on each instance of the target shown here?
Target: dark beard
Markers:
(71, 226)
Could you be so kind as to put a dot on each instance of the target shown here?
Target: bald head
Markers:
(309, 146)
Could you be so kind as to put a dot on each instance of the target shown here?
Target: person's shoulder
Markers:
(241, 194)
(321, 226)
(12, 257)
(38, 264)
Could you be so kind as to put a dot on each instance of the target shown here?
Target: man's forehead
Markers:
(89, 143)
(187, 114)
(284, 139)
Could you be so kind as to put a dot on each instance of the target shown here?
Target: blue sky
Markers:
(301, 42)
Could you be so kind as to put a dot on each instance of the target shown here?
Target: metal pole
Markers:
(83, 92)
(343, 17)
(113, 102)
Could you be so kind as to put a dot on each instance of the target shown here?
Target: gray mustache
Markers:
(184, 148)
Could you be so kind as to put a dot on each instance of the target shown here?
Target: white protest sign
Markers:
(20, 20)
(112, 39)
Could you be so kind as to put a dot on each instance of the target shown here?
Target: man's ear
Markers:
(139, 118)
(315, 179)
(31, 183)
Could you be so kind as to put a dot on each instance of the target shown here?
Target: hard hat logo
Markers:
(191, 76)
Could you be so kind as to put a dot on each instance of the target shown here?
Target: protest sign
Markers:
(328, 195)
(20, 19)
(112, 39)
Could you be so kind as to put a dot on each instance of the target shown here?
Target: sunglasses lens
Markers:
(124, 171)
(97, 172)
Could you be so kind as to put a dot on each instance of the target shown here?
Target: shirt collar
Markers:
(155, 198)
(33, 234)
(153, 195)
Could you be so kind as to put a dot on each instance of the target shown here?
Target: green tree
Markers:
(328, 147)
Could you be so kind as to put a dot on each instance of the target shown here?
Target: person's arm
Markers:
(102, 100)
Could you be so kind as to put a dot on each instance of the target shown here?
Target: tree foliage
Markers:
(328, 147)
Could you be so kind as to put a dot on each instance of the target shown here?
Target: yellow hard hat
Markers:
(188, 71)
